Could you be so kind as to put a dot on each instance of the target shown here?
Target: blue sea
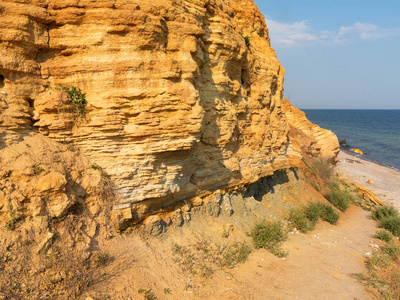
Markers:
(376, 132)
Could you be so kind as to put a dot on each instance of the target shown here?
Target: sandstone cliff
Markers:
(179, 102)
(308, 138)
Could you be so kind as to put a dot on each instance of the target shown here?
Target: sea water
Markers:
(376, 132)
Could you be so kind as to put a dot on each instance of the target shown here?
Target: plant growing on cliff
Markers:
(77, 98)
(37, 170)
(12, 223)
(206, 60)
(247, 40)
(95, 166)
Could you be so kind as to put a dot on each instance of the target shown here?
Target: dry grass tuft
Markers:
(203, 258)
(384, 264)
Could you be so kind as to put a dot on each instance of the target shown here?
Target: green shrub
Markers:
(247, 40)
(340, 199)
(299, 219)
(329, 214)
(237, 253)
(306, 218)
(95, 166)
(392, 250)
(384, 212)
(269, 235)
(78, 99)
(392, 224)
(384, 236)
(313, 211)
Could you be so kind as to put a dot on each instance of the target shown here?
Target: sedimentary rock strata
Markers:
(184, 96)
(308, 138)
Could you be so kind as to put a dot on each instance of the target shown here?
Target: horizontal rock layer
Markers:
(308, 138)
(184, 96)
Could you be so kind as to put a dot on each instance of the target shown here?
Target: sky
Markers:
(337, 54)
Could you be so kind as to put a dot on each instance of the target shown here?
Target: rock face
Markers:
(40, 177)
(184, 96)
(308, 138)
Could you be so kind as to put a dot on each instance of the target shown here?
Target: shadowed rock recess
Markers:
(184, 97)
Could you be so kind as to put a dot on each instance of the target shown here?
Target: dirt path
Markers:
(319, 266)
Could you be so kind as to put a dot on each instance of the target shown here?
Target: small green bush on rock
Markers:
(78, 99)
(247, 40)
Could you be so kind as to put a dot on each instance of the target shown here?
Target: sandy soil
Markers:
(319, 266)
(386, 181)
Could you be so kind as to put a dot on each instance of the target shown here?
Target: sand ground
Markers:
(386, 181)
(320, 264)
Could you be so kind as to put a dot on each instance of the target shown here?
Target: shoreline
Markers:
(369, 160)
(386, 180)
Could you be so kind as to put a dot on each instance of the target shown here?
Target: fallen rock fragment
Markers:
(366, 193)
(154, 225)
(46, 243)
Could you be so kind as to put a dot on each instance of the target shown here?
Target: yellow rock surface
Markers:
(178, 104)
(308, 138)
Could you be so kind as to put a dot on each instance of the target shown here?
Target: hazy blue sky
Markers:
(337, 54)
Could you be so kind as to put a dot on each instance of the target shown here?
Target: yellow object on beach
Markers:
(357, 150)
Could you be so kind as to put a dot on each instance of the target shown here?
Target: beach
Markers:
(386, 181)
